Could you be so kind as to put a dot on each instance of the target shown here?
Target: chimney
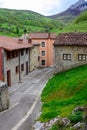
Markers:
(20, 40)
(49, 35)
(30, 40)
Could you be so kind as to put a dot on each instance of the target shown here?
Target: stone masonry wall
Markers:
(4, 101)
(74, 51)
(34, 61)
(11, 65)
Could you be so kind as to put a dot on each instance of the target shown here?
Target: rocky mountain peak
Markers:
(81, 5)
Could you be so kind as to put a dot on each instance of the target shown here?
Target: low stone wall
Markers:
(4, 100)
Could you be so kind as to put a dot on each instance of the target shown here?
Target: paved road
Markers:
(25, 101)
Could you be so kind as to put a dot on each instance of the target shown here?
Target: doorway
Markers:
(9, 78)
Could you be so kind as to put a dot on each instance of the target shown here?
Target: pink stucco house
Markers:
(46, 41)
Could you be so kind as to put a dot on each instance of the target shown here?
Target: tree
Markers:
(17, 30)
(25, 31)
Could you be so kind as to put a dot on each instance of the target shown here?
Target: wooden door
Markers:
(9, 78)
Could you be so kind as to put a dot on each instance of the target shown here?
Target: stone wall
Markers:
(34, 55)
(12, 64)
(73, 51)
(4, 101)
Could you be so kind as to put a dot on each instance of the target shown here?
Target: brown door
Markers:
(26, 68)
(9, 78)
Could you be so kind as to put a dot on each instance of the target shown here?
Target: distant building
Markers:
(70, 50)
(15, 59)
(34, 56)
(46, 41)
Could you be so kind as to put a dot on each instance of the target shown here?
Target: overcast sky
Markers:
(45, 7)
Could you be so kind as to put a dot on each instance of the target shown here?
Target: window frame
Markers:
(42, 44)
(22, 52)
(81, 57)
(27, 50)
(43, 61)
(17, 69)
(67, 57)
(43, 53)
(22, 67)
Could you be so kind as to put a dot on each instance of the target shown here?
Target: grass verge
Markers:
(64, 92)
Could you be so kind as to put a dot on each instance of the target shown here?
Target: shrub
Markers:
(76, 117)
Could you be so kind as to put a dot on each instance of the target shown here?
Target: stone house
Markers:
(34, 56)
(14, 59)
(70, 50)
(46, 41)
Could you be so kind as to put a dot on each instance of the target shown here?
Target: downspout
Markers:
(1, 65)
(29, 59)
(19, 68)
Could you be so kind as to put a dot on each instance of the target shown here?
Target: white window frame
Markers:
(81, 57)
(67, 57)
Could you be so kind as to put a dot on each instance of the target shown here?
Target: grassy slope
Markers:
(80, 27)
(64, 92)
(10, 20)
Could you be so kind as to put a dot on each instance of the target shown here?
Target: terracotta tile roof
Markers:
(71, 39)
(36, 44)
(42, 35)
(13, 43)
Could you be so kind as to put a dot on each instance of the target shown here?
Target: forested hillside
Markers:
(16, 22)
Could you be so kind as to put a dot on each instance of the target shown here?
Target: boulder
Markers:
(66, 121)
(79, 126)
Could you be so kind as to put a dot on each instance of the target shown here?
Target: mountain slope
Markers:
(78, 25)
(71, 13)
(16, 22)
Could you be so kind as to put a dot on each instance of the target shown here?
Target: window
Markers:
(27, 51)
(43, 44)
(38, 58)
(43, 53)
(8, 55)
(16, 54)
(81, 57)
(17, 69)
(43, 62)
(22, 67)
(22, 52)
(66, 56)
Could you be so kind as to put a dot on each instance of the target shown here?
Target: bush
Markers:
(76, 117)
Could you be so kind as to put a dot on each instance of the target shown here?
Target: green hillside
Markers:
(78, 25)
(64, 92)
(16, 22)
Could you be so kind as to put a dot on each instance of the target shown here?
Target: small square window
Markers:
(43, 62)
(81, 57)
(43, 53)
(66, 56)
(43, 44)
